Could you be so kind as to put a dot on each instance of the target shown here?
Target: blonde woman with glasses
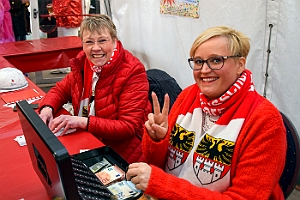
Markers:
(221, 140)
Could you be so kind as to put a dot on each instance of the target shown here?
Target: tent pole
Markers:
(268, 59)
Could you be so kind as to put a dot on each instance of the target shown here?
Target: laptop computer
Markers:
(64, 176)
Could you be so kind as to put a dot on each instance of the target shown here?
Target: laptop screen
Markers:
(49, 157)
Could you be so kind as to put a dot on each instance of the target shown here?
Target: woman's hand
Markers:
(46, 115)
(67, 122)
(157, 124)
(139, 174)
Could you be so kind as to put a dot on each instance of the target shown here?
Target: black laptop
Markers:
(64, 176)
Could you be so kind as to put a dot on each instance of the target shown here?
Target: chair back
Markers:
(290, 174)
(161, 83)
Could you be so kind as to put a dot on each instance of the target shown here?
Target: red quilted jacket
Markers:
(67, 11)
(121, 102)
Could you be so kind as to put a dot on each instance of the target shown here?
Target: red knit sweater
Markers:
(256, 167)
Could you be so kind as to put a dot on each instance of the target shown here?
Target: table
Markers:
(17, 177)
(38, 55)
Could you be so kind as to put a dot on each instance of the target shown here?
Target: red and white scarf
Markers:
(91, 76)
(203, 157)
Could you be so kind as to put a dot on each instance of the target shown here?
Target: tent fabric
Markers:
(163, 41)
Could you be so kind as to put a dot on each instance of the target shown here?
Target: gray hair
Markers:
(98, 23)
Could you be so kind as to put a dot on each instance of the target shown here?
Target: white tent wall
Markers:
(164, 41)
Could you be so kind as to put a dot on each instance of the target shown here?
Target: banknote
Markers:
(110, 174)
(124, 190)
(100, 165)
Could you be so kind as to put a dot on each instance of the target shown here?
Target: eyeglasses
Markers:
(214, 63)
(92, 43)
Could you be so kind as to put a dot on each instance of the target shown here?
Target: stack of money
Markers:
(110, 174)
(124, 190)
(100, 166)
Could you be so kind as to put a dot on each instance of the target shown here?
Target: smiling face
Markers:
(214, 83)
(98, 46)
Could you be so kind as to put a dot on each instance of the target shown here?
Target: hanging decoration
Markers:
(183, 8)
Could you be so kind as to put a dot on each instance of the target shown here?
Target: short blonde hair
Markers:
(239, 43)
(98, 23)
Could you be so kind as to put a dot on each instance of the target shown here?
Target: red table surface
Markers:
(17, 176)
(39, 46)
(9, 120)
(42, 54)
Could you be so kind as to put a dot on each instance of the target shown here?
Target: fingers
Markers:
(139, 174)
(58, 123)
(50, 121)
(130, 173)
(156, 106)
(157, 124)
(46, 116)
(65, 129)
(149, 127)
(165, 109)
(66, 122)
(151, 119)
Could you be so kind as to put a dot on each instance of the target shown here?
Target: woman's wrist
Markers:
(47, 107)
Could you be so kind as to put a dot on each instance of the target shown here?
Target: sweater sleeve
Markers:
(257, 164)
(159, 149)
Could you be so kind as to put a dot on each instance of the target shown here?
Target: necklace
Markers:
(208, 121)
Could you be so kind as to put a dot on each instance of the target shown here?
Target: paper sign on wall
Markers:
(183, 8)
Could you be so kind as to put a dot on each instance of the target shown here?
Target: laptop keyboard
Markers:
(89, 186)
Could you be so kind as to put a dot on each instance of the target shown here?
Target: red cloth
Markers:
(6, 30)
(29, 55)
(121, 102)
(68, 7)
(256, 166)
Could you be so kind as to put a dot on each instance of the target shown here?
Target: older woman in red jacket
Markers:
(108, 88)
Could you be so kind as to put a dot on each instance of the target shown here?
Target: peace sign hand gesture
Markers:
(157, 124)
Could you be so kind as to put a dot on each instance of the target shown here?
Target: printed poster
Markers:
(183, 8)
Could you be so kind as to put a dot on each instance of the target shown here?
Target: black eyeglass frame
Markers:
(206, 61)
